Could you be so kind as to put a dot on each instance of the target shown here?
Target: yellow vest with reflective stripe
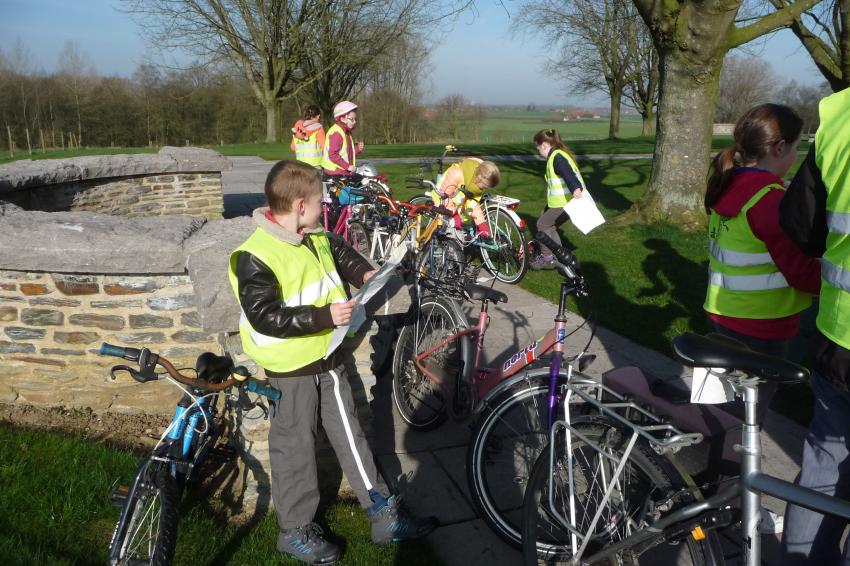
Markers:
(304, 279)
(743, 280)
(343, 151)
(832, 157)
(557, 192)
(308, 150)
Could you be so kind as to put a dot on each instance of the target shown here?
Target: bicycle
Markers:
(350, 219)
(505, 255)
(146, 532)
(437, 373)
(608, 489)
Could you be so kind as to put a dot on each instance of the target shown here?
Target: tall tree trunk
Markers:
(683, 143)
(271, 119)
(614, 120)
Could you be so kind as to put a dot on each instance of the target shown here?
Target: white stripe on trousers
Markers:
(348, 433)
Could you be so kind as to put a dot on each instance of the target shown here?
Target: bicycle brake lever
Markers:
(116, 369)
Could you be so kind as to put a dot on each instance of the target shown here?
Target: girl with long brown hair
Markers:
(563, 182)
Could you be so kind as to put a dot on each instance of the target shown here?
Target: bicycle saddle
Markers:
(716, 351)
(481, 293)
(213, 368)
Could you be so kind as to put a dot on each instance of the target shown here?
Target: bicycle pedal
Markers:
(119, 495)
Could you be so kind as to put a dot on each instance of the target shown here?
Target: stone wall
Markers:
(173, 181)
(54, 323)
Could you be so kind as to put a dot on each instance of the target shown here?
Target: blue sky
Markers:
(480, 58)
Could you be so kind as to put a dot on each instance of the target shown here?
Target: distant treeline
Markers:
(203, 106)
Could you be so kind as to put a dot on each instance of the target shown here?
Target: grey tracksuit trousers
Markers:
(292, 444)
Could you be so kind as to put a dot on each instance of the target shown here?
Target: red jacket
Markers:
(801, 271)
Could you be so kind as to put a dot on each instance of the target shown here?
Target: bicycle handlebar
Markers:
(147, 361)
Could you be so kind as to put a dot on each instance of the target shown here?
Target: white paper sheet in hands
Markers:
(366, 292)
(583, 212)
(710, 388)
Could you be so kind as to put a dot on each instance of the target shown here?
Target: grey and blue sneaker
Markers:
(307, 544)
(392, 523)
(543, 262)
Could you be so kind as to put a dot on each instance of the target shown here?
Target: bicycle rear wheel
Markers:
(358, 237)
(147, 529)
(649, 484)
(509, 262)
(418, 400)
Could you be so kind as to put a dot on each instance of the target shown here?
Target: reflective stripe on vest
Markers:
(305, 279)
(343, 151)
(308, 150)
(558, 194)
(832, 158)
(743, 280)
(737, 259)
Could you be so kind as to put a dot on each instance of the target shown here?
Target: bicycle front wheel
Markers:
(147, 529)
(418, 400)
(649, 484)
(509, 435)
(509, 261)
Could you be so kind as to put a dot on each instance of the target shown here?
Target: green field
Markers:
(520, 126)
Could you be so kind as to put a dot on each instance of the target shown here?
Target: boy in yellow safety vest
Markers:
(289, 277)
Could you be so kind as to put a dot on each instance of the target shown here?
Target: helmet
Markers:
(343, 108)
(367, 170)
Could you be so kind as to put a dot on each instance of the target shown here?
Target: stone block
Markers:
(10, 299)
(87, 242)
(34, 289)
(76, 284)
(54, 302)
(150, 321)
(131, 286)
(75, 337)
(141, 337)
(127, 200)
(176, 280)
(190, 337)
(207, 256)
(149, 207)
(139, 190)
(171, 303)
(62, 352)
(18, 333)
(106, 322)
(8, 314)
(40, 361)
(192, 319)
(15, 348)
(8, 286)
(42, 317)
(116, 304)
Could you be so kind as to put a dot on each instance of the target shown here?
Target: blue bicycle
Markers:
(146, 532)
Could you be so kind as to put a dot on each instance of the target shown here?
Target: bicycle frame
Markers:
(665, 439)
(485, 379)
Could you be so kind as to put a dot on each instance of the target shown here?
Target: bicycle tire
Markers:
(647, 479)
(508, 435)
(510, 263)
(441, 259)
(358, 237)
(148, 522)
(419, 401)
(422, 198)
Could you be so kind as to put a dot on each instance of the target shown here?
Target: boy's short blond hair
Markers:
(289, 180)
(488, 172)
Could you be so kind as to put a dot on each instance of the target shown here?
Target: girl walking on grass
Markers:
(563, 183)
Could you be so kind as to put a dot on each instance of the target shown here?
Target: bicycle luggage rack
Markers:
(663, 437)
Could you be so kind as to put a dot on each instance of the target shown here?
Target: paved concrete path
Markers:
(430, 467)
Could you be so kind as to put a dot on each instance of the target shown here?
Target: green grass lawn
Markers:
(56, 511)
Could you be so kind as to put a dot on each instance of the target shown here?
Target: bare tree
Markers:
(641, 93)
(825, 33)
(745, 81)
(804, 99)
(692, 38)
(76, 72)
(597, 44)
